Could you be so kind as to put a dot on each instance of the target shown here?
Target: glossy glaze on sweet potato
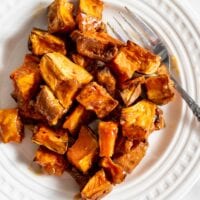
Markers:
(84, 151)
(95, 97)
(11, 127)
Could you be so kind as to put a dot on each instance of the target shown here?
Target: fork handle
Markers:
(191, 103)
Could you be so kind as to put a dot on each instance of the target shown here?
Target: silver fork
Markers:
(152, 41)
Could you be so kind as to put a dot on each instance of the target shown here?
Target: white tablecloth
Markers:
(194, 193)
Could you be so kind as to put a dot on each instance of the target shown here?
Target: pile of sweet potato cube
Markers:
(89, 98)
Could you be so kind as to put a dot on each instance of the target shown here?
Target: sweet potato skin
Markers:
(55, 140)
(97, 186)
(84, 151)
(95, 97)
(51, 162)
(11, 127)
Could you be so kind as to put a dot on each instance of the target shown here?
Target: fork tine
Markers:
(115, 33)
(143, 39)
(144, 28)
(127, 34)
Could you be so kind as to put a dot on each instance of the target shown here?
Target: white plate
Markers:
(172, 163)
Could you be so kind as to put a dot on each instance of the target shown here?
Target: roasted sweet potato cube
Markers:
(60, 17)
(11, 127)
(55, 140)
(137, 120)
(78, 117)
(107, 136)
(84, 151)
(96, 45)
(91, 7)
(133, 58)
(42, 42)
(49, 106)
(89, 15)
(26, 79)
(128, 161)
(63, 77)
(131, 90)
(159, 89)
(51, 162)
(114, 171)
(95, 97)
(97, 186)
(107, 80)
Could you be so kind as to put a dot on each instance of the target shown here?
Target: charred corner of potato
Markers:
(97, 186)
(133, 58)
(26, 79)
(11, 127)
(96, 45)
(42, 42)
(51, 162)
(54, 139)
(48, 106)
(128, 161)
(60, 17)
(160, 89)
(95, 97)
(137, 120)
(107, 132)
(131, 90)
(63, 77)
(76, 119)
(84, 151)
(114, 171)
(89, 16)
